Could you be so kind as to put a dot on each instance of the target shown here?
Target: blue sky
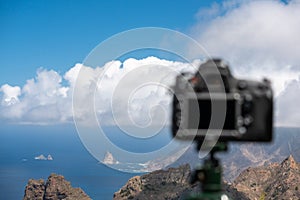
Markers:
(43, 45)
(57, 34)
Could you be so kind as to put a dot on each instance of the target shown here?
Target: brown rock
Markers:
(270, 182)
(233, 193)
(35, 189)
(161, 184)
(275, 181)
(170, 184)
(56, 188)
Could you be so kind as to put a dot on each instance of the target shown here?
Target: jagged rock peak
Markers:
(289, 162)
(55, 188)
(274, 181)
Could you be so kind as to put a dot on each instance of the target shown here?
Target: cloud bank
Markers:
(47, 98)
(258, 38)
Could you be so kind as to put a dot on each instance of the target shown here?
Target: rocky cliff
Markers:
(55, 188)
(169, 184)
(165, 185)
(274, 181)
(240, 156)
(270, 182)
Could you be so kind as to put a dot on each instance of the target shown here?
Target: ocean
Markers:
(20, 144)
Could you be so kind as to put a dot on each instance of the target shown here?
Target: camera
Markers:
(213, 104)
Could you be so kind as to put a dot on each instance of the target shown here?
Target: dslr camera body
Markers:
(212, 104)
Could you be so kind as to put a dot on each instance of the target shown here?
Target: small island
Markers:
(109, 159)
(42, 157)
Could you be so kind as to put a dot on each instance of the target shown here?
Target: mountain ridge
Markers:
(242, 155)
(273, 181)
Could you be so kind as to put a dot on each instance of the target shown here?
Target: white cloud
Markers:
(72, 74)
(41, 100)
(288, 110)
(218, 9)
(44, 100)
(131, 87)
(137, 92)
(11, 94)
(259, 39)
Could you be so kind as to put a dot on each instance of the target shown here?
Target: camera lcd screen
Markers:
(205, 114)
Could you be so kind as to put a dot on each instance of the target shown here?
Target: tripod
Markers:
(210, 175)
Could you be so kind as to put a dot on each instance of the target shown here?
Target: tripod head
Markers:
(210, 176)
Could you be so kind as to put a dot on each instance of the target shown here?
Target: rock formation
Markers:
(241, 156)
(169, 184)
(274, 181)
(109, 159)
(55, 188)
(164, 184)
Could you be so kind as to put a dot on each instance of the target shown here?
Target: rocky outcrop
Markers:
(233, 193)
(274, 181)
(168, 184)
(55, 188)
(35, 189)
(173, 183)
(270, 182)
(109, 159)
(241, 156)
